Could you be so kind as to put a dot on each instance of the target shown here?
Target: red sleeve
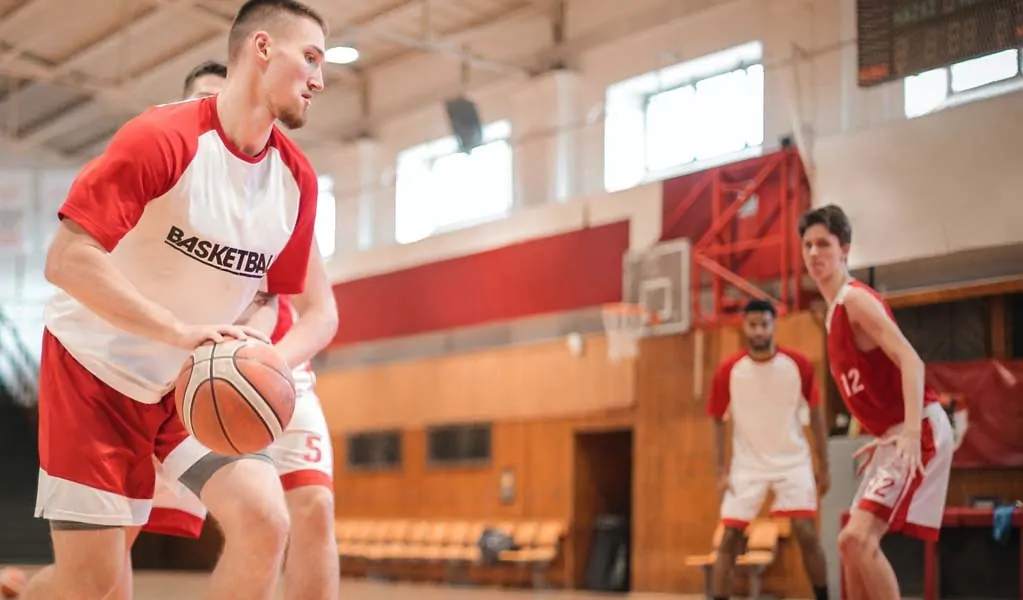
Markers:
(721, 390)
(808, 377)
(287, 274)
(141, 162)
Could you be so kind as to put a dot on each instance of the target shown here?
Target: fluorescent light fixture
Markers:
(342, 55)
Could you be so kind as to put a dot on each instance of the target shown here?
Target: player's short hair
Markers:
(255, 14)
(210, 67)
(832, 217)
(757, 305)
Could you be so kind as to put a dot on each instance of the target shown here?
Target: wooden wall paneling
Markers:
(512, 383)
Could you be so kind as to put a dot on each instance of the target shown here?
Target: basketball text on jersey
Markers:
(236, 261)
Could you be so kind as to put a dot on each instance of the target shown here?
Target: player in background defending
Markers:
(763, 390)
(299, 327)
(147, 229)
(881, 379)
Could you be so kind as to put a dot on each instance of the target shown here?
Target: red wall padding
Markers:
(557, 273)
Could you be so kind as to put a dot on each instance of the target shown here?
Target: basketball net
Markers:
(623, 326)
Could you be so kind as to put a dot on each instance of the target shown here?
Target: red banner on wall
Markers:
(984, 398)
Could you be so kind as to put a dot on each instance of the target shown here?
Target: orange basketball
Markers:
(235, 397)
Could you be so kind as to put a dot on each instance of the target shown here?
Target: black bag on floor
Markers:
(492, 543)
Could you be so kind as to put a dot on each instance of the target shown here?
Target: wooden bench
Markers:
(759, 552)
(450, 543)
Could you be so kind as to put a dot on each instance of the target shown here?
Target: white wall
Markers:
(557, 119)
(23, 290)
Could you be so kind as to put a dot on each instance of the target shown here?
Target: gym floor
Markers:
(177, 585)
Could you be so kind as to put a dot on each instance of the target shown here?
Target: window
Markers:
(326, 224)
(440, 189)
(374, 450)
(667, 121)
(929, 91)
(458, 445)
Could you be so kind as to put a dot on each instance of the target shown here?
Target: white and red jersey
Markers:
(303, 374)
(870, 382)
(763, 399)
(194, 224)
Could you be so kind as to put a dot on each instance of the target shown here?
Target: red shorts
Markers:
(96, 445)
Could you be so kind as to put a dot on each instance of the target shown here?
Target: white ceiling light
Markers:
(342, 55)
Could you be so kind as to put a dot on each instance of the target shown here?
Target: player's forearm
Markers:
(719, 446)
(87, 274)
(819, 430)
(261, 314)
(312, 332)
(912, 369)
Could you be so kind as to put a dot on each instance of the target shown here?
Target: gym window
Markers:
(962, 82)
(326, 223)
(458, 445)
(374, 450)
(684, 117)
(439, 189)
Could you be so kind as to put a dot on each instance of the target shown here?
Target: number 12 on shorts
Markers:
(851, 383)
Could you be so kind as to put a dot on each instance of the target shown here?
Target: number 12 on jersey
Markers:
(851, 382)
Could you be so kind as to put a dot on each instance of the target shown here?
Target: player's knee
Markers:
(97, 583)
(805, 531)
(854, 544)
(311, 509)
(258, 522)
(731, 541)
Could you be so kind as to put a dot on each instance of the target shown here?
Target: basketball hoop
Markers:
(623, 326)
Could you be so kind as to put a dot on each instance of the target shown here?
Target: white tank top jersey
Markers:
(195, 225)
(763, 400)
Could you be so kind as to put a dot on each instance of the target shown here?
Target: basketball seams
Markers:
(226, 368)
(241, 365)
(216, 407)
(245, 401)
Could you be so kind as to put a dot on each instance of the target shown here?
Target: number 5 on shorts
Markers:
(312, 443)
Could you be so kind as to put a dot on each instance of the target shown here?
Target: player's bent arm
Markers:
(867, 313)
(317, 316)
(261, 313)
(79, 265)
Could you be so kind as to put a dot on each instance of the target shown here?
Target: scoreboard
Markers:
(899, 38)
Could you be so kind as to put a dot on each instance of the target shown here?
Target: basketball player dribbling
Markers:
(303, 454)
(165, 240)
(881, 379)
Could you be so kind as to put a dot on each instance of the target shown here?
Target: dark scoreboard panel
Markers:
(899, 38)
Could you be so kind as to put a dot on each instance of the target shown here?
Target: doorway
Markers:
(603, 509)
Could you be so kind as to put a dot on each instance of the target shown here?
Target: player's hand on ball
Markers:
(193, 336)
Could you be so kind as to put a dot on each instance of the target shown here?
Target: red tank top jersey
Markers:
(870, 382)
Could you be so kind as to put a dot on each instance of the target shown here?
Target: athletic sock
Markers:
(820, 593)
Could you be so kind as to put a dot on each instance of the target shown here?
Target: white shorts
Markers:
(303, 455)
(795, 495)
(913, 507)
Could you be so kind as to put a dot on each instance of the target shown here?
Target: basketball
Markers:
(235, 397)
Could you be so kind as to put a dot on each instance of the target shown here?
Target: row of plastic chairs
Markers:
(536, 543)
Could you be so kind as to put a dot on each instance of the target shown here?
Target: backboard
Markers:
(658, 279)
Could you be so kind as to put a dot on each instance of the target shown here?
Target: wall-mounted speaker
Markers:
(465, 123)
